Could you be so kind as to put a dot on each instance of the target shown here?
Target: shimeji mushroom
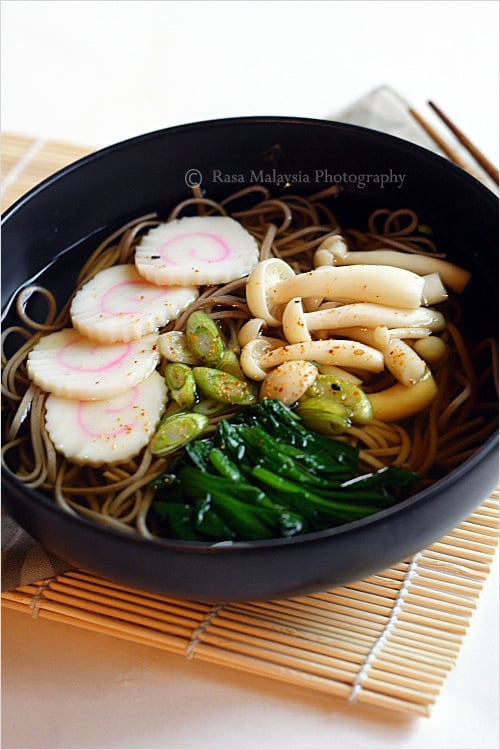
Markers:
(266, 276)
(400, 359)
(382, 334)
(298, 325)
(334, 252)
(403, 362)
(250, 330)
(289, 381)
(273, 283)
(262, 354)
(395, 287)
(253, 353)
(350, 354)
(432, 349)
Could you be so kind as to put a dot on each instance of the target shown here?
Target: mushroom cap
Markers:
(289, 381)
(250, 330)
(330, 250)
(253, 353)
(263, 280)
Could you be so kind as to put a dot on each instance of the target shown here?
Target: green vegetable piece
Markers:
(179, 518)
(362, 413)
(180, 381)
(349, 394)
(324, 415)
(243, 506)
(223, 387)
(176, 430)
(199, 451)
(210, 407)
(424, 229)
(264, 475)
(225, 467)
(381, 485)
(246, 520)
(204, 338)
(209, 523)
(316, 452)
(310, 502)
(230, 363)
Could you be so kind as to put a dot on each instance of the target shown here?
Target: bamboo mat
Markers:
(389, 640)
(26, 161)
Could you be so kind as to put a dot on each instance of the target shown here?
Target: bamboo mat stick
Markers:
(166, 610)
(93, 610)
(133, 635)
(429, 580)
(442, 642)
(26, 161)
(259, 667)
(282, 653)
(414, 592)
(486, 533)
(91, 582)
(427, 598)
(312, 682)
(347, 659)
(278, 631)
(140, 615)
(390, 703)
(237, 629)
(413, 653)
(337, 628)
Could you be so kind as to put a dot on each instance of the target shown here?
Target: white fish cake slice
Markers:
(197, 250)
(118, 304)
(111, 431)
(71, 366)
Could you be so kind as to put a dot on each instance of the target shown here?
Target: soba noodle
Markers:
(291, 228)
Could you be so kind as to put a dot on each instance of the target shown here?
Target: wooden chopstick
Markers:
(450, 152)
(481, 159)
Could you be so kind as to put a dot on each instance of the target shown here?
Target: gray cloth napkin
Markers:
(24, 560)
(386, 110)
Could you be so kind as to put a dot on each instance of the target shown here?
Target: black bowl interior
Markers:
(47, 235)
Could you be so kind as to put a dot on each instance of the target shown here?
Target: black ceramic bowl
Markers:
(69, 213)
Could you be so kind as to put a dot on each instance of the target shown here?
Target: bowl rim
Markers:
(243, 121)
(12, 484)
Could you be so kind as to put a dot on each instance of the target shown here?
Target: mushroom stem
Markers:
(350, 354)
(434, 291)
(453, 276)
(297, 324)
(400, 359)
(363, 283)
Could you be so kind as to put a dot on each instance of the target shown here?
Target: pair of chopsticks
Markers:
(450, 152)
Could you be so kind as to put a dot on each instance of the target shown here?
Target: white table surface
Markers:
(97, 72)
